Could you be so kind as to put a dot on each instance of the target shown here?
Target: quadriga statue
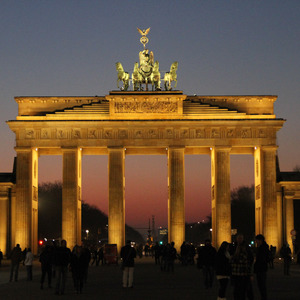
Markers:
(155, 77)
(171, 76)
(122, 76)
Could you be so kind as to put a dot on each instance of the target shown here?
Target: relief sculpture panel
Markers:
(152, 106)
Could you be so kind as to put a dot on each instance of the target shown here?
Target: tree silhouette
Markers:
(243, 211)
(93, 219)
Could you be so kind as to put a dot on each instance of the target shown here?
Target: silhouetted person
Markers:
(128, 255)
(261, 265)
(54, 249)
(62, 260)
(1, 257)
(272, 256)
(16, 258)
(208, 255)
(163, 261)
(223, 269)
(101, 256)
(184, 253)
(86, 258)
(28, 263)
(171, 256)
(95, 257)
(241, 270)
(156, 250)
(191, 254)
(78, 266)
(286, 254)
(46, 259)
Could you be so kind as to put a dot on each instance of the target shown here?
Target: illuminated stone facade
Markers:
(161, 123)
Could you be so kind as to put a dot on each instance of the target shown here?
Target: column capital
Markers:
(25, 149)
(176, 147)
(222, 148)
(269, 148)
(266, 148)
(70, 149)
(115, 148)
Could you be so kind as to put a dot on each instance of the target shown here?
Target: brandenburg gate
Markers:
(145, 122)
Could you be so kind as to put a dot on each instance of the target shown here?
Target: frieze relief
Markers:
(61, 134)
(45, 134)
(152, 133)
(215, 133)
(200, 133)
(230, 133)
(142, 133)
(123, 134)
(138, 134)
(184, 133)
(146, 106)
(107, 134)
(76, 133)
(92, 133)
(30, 134)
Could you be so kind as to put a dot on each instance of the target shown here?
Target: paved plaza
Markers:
(104, 282)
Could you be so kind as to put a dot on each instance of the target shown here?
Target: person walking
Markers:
(61, 261)
(207, 257)
(261, 265)
(223, 269)
(128, 254)
(286, 254)
(46, 259)
(16, 258)
(28, 263)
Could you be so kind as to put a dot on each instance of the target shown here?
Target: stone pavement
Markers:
(104, 282)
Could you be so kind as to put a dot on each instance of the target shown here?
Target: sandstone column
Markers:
(71, 196)
(265, 194)
(116, 178)
(26, 208)
(220, 195)
(289, 219)
(176, 207)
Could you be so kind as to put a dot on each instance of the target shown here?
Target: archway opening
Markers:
(197, 198)
(49, 194)
(146, 193)
(242, 196)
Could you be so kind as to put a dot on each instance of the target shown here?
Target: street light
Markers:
(87, 234)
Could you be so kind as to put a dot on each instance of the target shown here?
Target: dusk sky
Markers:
(69, 48)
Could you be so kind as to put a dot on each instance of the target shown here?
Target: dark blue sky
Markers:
(69, 48)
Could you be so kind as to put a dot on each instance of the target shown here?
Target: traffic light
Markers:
(41, 242)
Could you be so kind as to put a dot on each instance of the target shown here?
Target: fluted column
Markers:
(116, 214)
(220, 195)
(289, 218)
(5, 194)
(26, 205)
(71, 196)
(176, 206)
(265, 194)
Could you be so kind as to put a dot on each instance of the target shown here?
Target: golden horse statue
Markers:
(136, 78)
(171, 76)
(122, 76)
(155, 77)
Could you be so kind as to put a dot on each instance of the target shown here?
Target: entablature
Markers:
(146, 133)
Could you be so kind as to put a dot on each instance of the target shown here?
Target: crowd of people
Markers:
(236, 263)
